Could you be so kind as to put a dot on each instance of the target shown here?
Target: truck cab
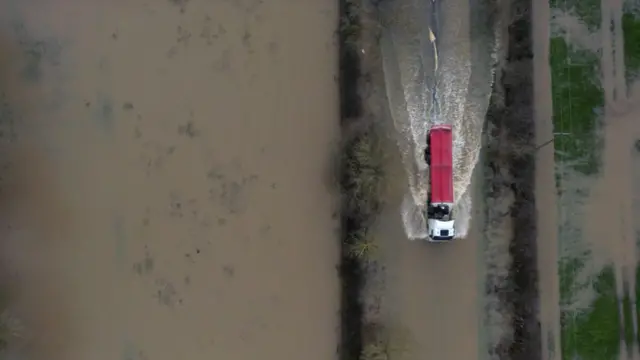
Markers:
(439, 210)
(440, 222)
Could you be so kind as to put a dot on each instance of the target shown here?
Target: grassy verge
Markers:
(360, 179)
(569, 270)
(594, 333)
(576, 94)
(631, 30)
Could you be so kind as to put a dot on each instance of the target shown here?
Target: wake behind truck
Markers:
(439, 157)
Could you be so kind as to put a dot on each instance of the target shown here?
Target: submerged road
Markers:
(435, 292)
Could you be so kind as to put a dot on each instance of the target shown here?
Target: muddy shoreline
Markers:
(511, 117)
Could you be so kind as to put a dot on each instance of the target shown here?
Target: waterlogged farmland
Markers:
(594, 57)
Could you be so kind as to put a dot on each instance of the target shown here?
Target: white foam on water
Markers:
(422, 95)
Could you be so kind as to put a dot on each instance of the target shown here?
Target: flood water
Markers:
(439, 59)
(164, 178)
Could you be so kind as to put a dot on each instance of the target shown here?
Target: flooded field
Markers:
(587, 179)
(165, 188)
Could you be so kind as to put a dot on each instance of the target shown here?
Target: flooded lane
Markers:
(435, 292)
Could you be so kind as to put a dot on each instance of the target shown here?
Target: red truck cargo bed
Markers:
(441, 167)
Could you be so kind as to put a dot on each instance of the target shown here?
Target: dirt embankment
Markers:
(510, 162)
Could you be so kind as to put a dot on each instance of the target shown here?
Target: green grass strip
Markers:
(577, 94)
(627, 312)
(594, 333)
(631, 30)
(587, 10)
(568, 274)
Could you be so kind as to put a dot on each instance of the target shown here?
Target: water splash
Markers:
(434, 80)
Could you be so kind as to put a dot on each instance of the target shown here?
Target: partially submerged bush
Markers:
(361, 184)
(374, 352)
(361, 245)
(382, 342)
(350, 23)
(362, 175)
(11, 330)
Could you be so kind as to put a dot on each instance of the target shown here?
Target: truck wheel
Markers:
(427, 156)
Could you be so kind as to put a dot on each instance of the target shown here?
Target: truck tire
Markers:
(427, 156)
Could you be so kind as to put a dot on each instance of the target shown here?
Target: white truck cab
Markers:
(440, 223)
(441, 230)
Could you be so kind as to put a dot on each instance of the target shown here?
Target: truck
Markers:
(439, 208)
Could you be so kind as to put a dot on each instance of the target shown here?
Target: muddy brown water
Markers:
(428, 296)
(546, 199)
(164, 182)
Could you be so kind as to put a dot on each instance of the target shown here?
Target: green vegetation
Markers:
(569, 269)
(362, 174)
(587, 10)
(593, 333)
(350, 23)
(361, 244)
(576, 94)
(362, 183)
(627, 312)
(631, 30)
(383, 343)
(374, 352)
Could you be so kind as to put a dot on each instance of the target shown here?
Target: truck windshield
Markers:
(442, 212)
